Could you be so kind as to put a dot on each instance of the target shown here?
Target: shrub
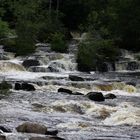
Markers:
(58, 44)
(93, 55)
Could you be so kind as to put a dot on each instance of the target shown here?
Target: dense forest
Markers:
(110, 24)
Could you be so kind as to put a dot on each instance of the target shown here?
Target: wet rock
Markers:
(18, 86)
(53, 132)
(102, 67)
(96, 96)
(24, 86)
(4, 129)
(131, 83)
(110, 96)
(2, 137)
(32, 128)
(52, 69)
(30, 62)
(133, 66)
(75, 78)
(65, 90)
(28, 87)
(47, 138)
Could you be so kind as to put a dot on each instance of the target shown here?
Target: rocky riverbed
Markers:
(49, 92)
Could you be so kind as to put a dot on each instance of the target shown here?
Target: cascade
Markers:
(6, 66)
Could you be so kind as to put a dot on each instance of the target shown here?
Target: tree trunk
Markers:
(57, 9)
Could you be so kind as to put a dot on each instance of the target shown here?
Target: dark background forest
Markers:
(111, 25)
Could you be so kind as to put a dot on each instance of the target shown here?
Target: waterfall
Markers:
(6, 66)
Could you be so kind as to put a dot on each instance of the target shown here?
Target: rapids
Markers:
(74, 116)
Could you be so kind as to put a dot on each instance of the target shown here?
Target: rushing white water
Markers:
(126, 113)
(76, 117)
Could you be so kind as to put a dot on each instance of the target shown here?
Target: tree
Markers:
(125, 21)
(26, 26)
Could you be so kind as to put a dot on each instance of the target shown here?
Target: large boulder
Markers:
(4, 129)
(24, 86)
(30, 62)
(63, 90)
(28, 87)
(47, 138)
(32, 128)
(75, 78)
(110, 96)
(96, 96)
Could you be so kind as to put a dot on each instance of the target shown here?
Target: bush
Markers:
(5, 87)
(58, 44)
(93, 55)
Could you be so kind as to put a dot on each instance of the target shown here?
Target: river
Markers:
(75, 116)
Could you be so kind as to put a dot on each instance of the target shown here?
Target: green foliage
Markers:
(125, 21)
(58, 44)
(4, 29)
(6, 35)
(92, 55)
(9, 44)
(5, 87)
(49, 24)
(26, 26)
(36, 21)
(75, 12)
